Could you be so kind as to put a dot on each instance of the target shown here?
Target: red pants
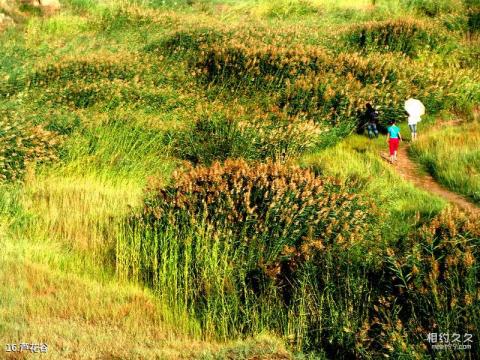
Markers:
(393, 145)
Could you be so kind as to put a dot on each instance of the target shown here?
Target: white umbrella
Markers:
(414, 108)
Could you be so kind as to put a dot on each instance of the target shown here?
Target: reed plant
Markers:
(217, 136)
(333, 87)
(243, 248)
(248, 248)
(434, 275)
(408, 36)
(340, 259)
(22, 146)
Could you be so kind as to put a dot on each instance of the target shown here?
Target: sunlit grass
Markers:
(360, 158)
(61, 281)
(81, 316)
(452, 156)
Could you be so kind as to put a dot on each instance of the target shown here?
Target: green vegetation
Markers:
(452, 156)
(248, 248)
(181, 179)
(405, 36)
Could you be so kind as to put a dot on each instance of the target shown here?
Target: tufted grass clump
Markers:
(213, 138)
(251, 62)
(185, 41)
(407, 36)
(23, 145)
(106, 94)
(89, 68)
(245, 134)
(433, 285)
(248, 248)
(84, 94)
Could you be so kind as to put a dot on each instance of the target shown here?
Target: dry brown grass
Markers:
(84, 319)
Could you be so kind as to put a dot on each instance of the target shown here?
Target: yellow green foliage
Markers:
(324, 85)
(245, 133)
(451, 155)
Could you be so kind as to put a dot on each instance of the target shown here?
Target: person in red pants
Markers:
(393, 139)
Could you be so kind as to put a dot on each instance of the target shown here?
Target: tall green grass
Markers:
(195, 247)
(246, 249)
(451, 155)
(120, 83)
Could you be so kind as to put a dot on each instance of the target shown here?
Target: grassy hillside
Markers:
(185, 179)
(452, 156)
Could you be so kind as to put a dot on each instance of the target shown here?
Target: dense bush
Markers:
(254, 247)
(21, 145)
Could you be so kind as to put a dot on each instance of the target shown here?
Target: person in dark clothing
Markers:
(371, 116)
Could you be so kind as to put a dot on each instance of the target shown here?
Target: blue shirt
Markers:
(393, 131)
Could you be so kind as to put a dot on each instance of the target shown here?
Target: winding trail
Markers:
(410, 171)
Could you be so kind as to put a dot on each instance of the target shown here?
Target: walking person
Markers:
(415, 109)
(371, 116)
(413, 120)
(393, 139)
